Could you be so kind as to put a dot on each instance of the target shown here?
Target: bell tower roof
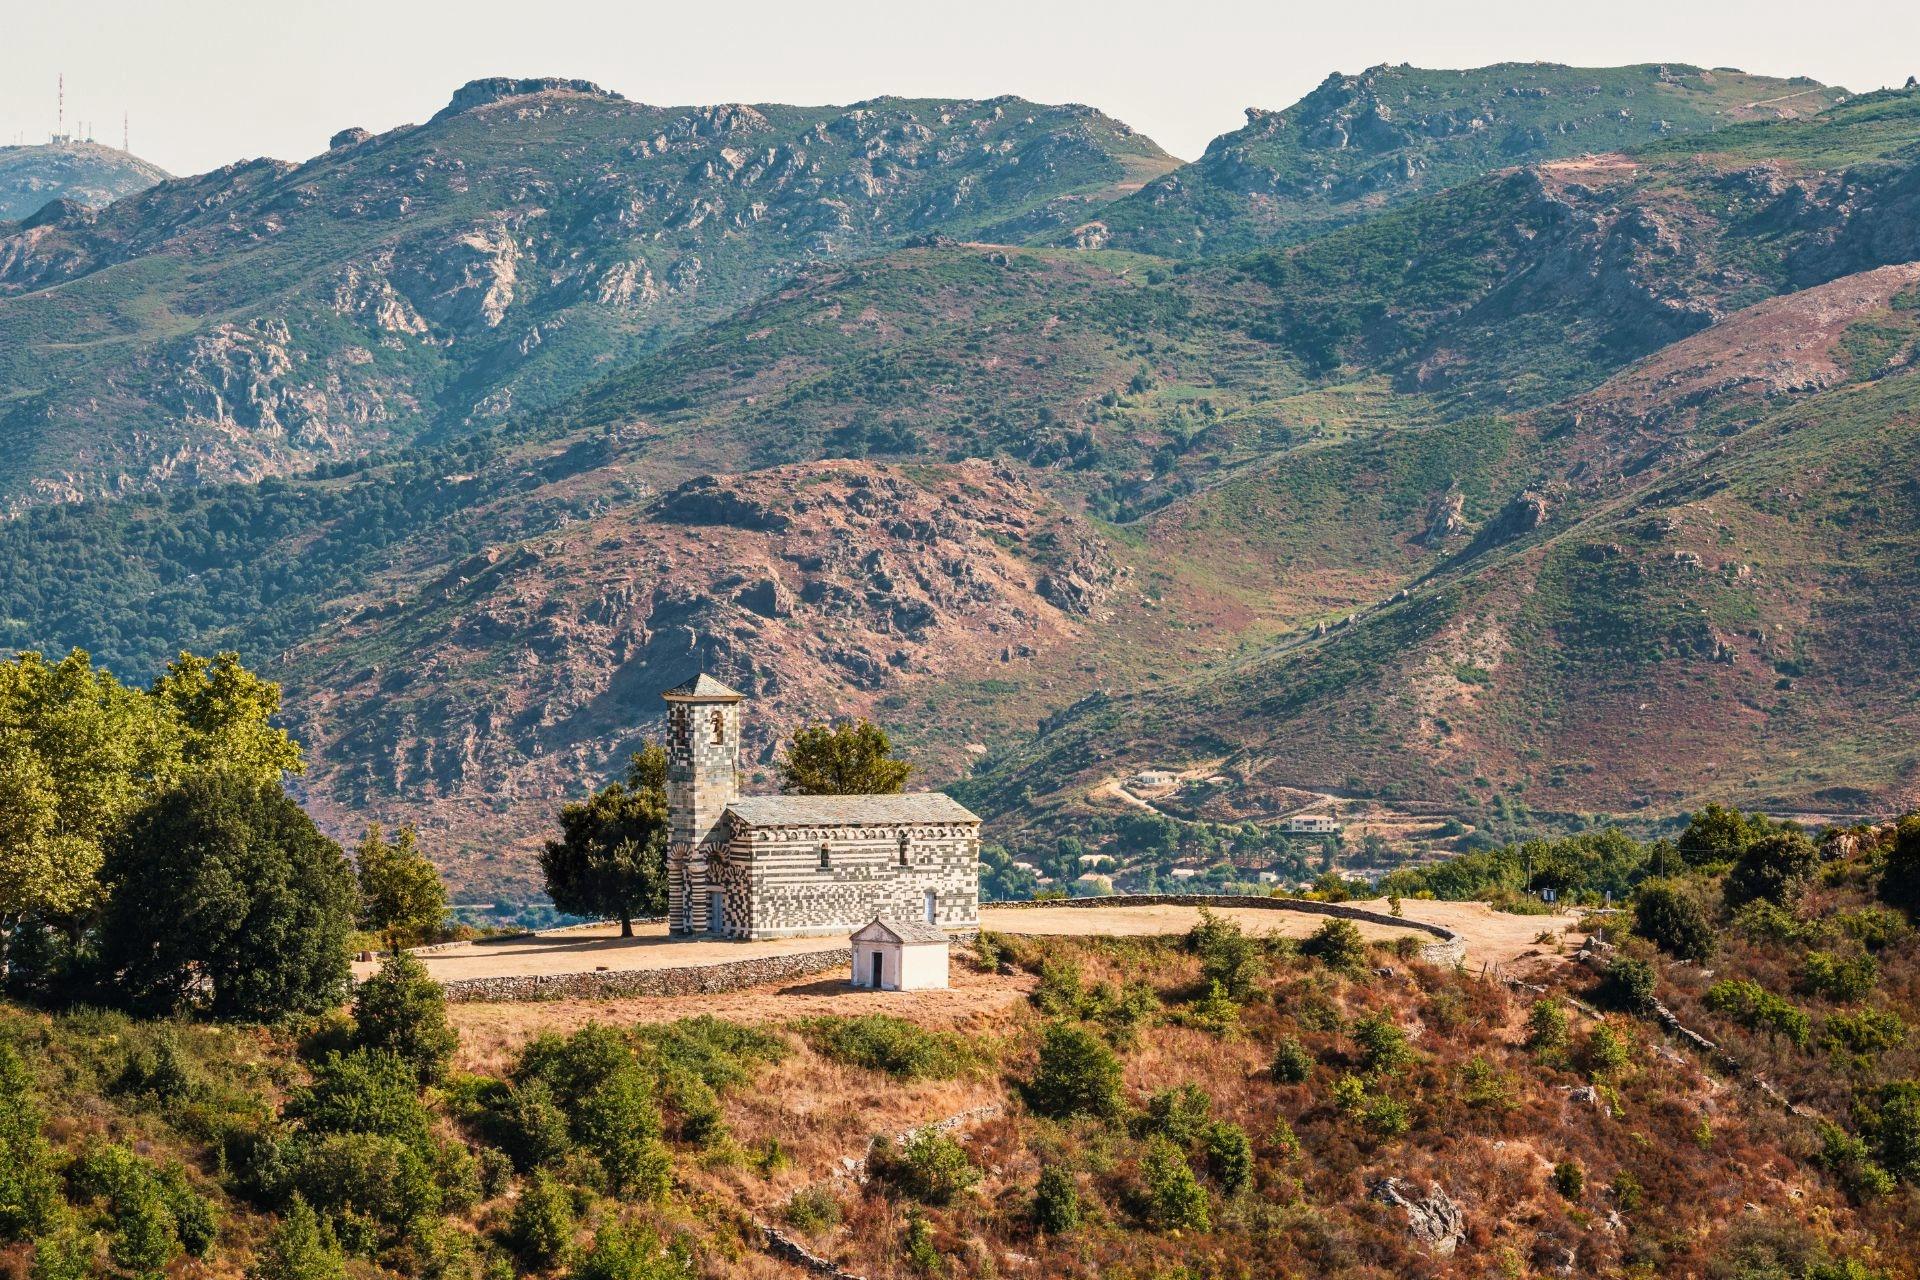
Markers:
(703, 688)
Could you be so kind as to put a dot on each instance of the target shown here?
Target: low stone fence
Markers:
(1450, 950)
(682, 980)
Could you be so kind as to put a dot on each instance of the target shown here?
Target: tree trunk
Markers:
(626, 926)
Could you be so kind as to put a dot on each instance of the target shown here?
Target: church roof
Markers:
(704, 686)
(848, 811)
(899, 930)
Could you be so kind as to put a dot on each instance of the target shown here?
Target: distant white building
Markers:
(1314, 824)
(899, 955)
(1154, 778)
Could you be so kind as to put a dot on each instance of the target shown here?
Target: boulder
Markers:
(1433, 1219)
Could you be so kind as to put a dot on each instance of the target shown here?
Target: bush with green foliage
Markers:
(1845, 979)
(1076, 1075)
(528, 1124)
(401, 897)
(300, 1247)
(1229, 1156)
(1850, 1159)
(403, 1012)
(1774, 868)
(1180, 1114)
(363, 1091)
(1056, 1201)
(1863, 1031)
(1569, 1179)
(29, 1189)
(1338, 945)
(1719, 835)
(1292, 1064)
(225, 898)
(852, 758)
(1630, 984)
(1382, 1044)
(1227, 955)
(1605, 1053)
(812, 1210)
(930, 1166)
(1758, 1009)
(1172, 1198)
(1668, 916)
(540, 1230)
(882, 1042)
(1891, 1121)
(1548, 1028)
(1900, 876)
(632, 1253)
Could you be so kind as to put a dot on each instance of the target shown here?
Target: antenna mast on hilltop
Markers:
(123, 134)
(60, 127)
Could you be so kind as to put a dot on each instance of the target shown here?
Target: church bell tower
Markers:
(703, 778)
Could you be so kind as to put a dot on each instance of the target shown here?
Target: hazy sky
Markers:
(211, 81)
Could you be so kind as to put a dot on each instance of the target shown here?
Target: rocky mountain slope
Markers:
(1361, 143)
(81, 173)
(1579, 484)
(267, 317)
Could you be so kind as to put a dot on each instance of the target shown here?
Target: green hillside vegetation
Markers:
(1357, 144)
(1205, 1102)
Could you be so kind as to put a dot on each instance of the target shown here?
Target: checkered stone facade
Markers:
(794, 866)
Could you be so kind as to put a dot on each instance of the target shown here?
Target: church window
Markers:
(719, 728)
(826, 857)
(906, 847)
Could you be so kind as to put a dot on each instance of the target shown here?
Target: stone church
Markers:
(787, 866)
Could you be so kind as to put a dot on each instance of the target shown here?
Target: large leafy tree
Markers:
(401, 896)
(80, 752)
(611, 857)
(224, 898)
(852, 758)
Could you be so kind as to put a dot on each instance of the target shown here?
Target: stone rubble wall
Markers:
(1449, 951)
(682, 980)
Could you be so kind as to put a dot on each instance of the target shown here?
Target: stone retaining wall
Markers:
(1450, 950)
(684, 980)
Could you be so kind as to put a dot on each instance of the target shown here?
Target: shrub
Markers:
(1227, 956)
(722, 1055)
(1773, 868)
(1629, 984)
(1672, 920)
(1077, 1074)
(931, 1167)
(1292, 1064)
(1626, 1191)
(363, 1092)
(897, 1046)
(541, 1228)
(922, 1254)
(142, 1238)
(1900, 877)
(1766, 921)
(1485, 1085)
(29, 1191)
(1867, 1031)
(622, 1253)
(1383, 1045)
(1757, 1009)
(1229, 1156)
(159, 1070)
(1056, 1201)
(363, 1176)
(69, 1254)
(618, 1122)
(812, 1210)
(1179, 1115)
(300, 1247)
(1849, 1159)
(402, 1011)
(1569, 1179)
(1173, 1198)
(1387, 1117)
(1338, 945)
(1606, 1052)
(529, 1125)
(1841, 978)
(1717, 834)
(1547, 1027)
(1893, 1124)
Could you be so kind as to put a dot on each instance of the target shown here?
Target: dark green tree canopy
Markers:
(401, 897)
(611, 857)
(1665, 914)
(224, 898)
(1774, 868)
(852, 758)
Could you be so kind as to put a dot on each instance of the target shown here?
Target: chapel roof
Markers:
(900, 930)
(849, 811)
